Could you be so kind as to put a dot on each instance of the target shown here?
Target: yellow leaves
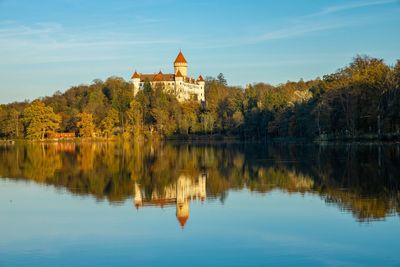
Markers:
(40, 120)
(109, 123)
(86, 125)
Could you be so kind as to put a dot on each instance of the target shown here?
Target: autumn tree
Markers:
(164, 109)
(85, 124)
(207, 122)
(135, 119)
(121, 97)
(96, 102)
(109, 123)
(40, 120)
(10, 123)
(188, 117)
(396, 74)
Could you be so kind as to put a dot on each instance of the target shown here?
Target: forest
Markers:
(360, 101)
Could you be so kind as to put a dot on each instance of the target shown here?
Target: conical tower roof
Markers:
(135, 75)
(182, 220)
(180, 58)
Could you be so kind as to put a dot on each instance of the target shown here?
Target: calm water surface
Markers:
(199, 205)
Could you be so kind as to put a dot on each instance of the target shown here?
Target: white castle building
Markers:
(178, 83)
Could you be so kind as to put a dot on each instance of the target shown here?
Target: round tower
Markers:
(138, 200)
(136, 82)
(182, 212)
(180, 64)
(182, 203)
(200, 81)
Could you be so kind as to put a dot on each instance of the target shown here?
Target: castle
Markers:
(179, 83)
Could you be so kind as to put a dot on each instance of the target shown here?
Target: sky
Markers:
(51, 45)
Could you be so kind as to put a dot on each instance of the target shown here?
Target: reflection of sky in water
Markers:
(43, 226)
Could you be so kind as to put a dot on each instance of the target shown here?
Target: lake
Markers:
(175, 204)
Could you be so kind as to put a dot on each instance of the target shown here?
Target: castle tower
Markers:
(180, 64)
(200, 81)
(182, 203)
(136, 82)
(182, 212)
(202, 186)
(138, 201)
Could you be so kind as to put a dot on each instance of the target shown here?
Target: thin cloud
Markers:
(291, 31)
(15, 30)
(300, 30)
(49, 42)
(54, 36)
(81, 44)
(146, 20)
(303, 26)
(353, 5)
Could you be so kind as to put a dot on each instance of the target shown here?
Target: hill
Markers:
(361, 100)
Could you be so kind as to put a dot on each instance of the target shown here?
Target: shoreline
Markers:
(215, 139)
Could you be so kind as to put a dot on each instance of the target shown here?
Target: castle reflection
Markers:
(178, 194)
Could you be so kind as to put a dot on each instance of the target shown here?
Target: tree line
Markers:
(361, 100)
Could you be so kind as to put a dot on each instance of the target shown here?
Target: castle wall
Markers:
(184, 91)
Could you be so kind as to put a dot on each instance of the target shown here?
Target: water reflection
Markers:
(361, 179)
(179, 194)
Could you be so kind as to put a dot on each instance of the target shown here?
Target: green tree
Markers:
(10, 123)
(135, 119)
(121, 97)
(207, 122)
(188, 118)
(96, 102)
(109, 123)
(163, 112)
(221, 79)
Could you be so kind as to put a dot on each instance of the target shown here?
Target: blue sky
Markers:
(50, 45)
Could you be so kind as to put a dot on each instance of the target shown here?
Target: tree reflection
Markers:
(362, 179)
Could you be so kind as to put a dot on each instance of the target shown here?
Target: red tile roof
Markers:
(158, 77)
(180, 58)
(152, 77)
(200, 79)
(135, 75)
